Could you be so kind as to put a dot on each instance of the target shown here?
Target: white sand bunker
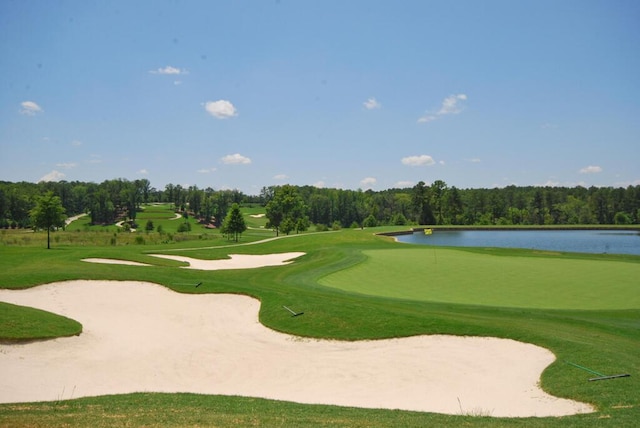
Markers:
(143, 337)
(236, 261)
(113, 262)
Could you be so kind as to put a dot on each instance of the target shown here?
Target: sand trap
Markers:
(113, 262)
(236, 261)
(143, 337)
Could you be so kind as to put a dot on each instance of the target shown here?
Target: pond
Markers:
(580, 241)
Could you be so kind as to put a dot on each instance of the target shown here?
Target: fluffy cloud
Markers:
(372, 104)
(169, 70)
(30, 108)
(143, 172)
(368, 182)
(53, 176)
(403, 184)
(280, 177)
(450, 105)
(235, 159)
(319, 184)
(221, 109)
(591, 169)
(418, 160)
(453, 104)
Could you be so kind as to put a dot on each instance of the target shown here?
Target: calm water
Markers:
(580, 241)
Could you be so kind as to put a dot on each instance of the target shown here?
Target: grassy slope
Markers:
(605, 341)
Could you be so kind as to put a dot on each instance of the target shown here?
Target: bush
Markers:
(184, 227)
(321, 227)
(336, 225)
(370, 221)
(149, 226)
(139, 240)
(399, 220)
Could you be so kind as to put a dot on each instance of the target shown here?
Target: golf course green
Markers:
(456, 276)
(353, 285)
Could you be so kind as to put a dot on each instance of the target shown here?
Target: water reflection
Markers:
(581, 241)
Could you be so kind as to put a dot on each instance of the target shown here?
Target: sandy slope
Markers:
(143, 337)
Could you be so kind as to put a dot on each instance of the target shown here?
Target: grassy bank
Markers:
(604, 338)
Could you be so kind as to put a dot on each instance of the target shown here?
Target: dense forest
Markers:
(435, 204)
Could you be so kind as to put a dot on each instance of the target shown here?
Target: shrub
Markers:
(321, 227)
(370, 221)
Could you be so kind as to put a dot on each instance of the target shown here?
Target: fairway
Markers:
(454, 276)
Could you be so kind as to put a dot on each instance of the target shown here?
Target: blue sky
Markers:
(346, 94)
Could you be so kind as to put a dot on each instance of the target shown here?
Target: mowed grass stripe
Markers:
(454, 276)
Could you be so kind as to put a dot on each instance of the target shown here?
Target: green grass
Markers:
(604, 339)
(18, 323)
(454, 276)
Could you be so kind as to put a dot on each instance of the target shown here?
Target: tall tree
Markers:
(285, 209)
(234, 223)
(48, 213)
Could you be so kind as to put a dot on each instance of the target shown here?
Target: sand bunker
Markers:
(236, 261)
(143, 337)
(113, 262)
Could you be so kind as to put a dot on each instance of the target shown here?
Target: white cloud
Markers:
(453, 104)
(372, 104)
(403, 184)
(475, 160)
(221, 109)
(67, 165)
(368, 182)
(30, 108)
(427, 118)
(169, 70)
(206, 170)
(143, 172)
(76, 143)
(591, 169)
(450, 104)
(418, 160)
(53, 176)
(235, 159)
(319, 184)
(280, 177)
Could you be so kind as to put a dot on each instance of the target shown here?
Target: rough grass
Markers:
(603, 340)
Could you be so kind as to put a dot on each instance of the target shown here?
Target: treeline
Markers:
(435, 204)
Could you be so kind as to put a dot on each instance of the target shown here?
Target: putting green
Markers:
(453, 276)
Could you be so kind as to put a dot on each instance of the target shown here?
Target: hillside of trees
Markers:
(435, 204)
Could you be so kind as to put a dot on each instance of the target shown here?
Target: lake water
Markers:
(580, 241)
